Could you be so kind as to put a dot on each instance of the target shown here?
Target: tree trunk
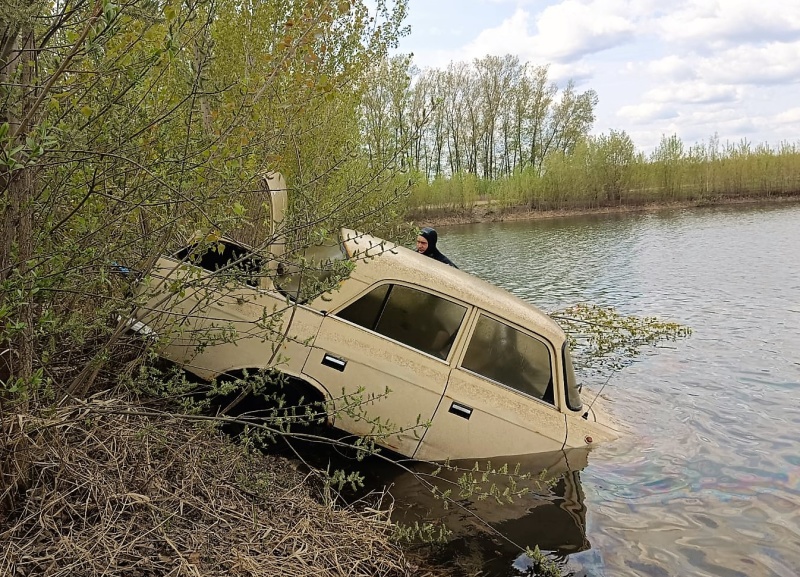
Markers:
(16, 249)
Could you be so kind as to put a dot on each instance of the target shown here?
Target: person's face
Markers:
(422, 244)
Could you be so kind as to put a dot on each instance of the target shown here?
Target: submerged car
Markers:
(442, 363)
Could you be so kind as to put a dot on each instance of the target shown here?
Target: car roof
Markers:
(380, 260)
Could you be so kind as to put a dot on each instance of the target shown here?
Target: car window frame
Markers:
(554, 365)
(459, 336)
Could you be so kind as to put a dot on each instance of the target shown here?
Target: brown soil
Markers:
(485, 211)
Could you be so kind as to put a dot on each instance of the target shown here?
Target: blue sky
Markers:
(687, 67)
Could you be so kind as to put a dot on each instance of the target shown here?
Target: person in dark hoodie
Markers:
(426, 244)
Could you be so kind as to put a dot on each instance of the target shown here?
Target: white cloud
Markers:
(564, 32)
(672, 67)
(693, 93)
(572, 29)
(709, 24)
(510, 37)
(789, 116)
(580, 72)
(646, 112)
(773, 63)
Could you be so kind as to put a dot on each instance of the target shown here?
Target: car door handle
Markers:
(334, 362)
(462, 411)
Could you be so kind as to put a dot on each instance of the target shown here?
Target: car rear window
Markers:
(314, 270)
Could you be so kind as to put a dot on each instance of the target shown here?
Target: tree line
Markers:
(498, 128)
(606, 171)
(490, 117)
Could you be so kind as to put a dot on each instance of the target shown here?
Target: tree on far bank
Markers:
(490, 118)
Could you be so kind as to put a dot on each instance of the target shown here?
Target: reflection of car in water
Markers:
(552, 515)
(490, 373)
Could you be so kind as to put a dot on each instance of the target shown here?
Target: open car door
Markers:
(264, 230)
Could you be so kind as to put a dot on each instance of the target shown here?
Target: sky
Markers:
(693, 68)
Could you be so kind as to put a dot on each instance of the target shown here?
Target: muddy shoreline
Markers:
(485, 211)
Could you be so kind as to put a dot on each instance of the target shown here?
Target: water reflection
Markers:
(554, 520)
(486, 536)
(551, 515)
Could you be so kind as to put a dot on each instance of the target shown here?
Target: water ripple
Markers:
(708, 481)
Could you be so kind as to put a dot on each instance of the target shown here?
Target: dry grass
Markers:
(95, 490)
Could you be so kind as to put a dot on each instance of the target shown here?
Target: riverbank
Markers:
(486, 211)
(114, 487)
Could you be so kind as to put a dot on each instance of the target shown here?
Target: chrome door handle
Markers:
(460, 410)
(334, 362)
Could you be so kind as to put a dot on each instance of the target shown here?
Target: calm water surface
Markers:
(708, 480)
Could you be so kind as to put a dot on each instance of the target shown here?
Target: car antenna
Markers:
(586, 414)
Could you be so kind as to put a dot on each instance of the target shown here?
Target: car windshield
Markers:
(572, 392)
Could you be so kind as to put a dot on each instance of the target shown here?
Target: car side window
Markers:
(510, 357)
(366, 311)
(413, 317)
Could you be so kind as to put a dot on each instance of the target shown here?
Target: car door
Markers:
(500, 399)
(384, 358)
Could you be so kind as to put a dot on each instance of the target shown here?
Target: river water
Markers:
(707, 480)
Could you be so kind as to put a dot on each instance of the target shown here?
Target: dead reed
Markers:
(97, 489)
